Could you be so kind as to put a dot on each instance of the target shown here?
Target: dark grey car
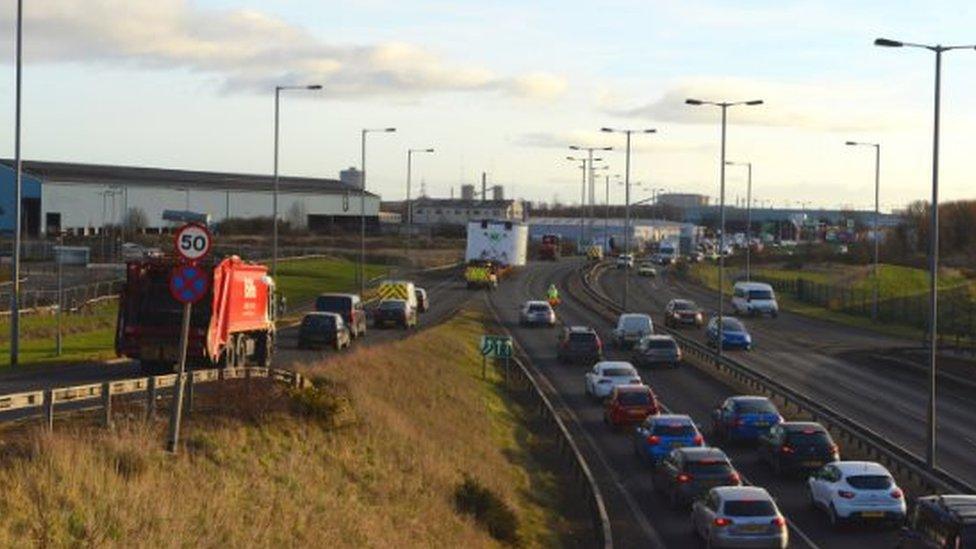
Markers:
(656, 350)
(323, 329)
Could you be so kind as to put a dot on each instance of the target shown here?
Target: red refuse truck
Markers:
(232, 326)
(549, 248)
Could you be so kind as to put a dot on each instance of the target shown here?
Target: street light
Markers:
(18, 206)
(724, 105)
(748, 165)
(934, 236)
(274, 199)
(628, 133)
(362, 208)
(409, 205)
(877, 207)
(590, 181)
(582, 162)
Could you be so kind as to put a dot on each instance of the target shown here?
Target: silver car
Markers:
(739, 516)
(631, 328)
(537, 313)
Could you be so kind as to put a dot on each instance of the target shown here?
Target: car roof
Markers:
(749, 398)
(635, 315)
(393, 301)
(336, 294)
(659, 337)
(688, 301)
(702, 452)
(537, 302)
(793, 426)
(323, 314)
(614, 364)
(962, 507)
(742, 492)
(861, 468)
(633, 388)
(580, 329)
(753, 286)
(671, 418)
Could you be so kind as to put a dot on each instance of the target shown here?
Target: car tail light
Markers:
(787, 449)
(721, 522)
(834, 449)
(896, 493)
(739, 422)
(684, 478)
(698, 440)
(734, 477)
(130, 330)
(845, 494)
(778, 521)
(653, 440)
(599, 344)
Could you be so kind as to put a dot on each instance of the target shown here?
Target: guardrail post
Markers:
(151, 400)
(107, 403)
(49, 409)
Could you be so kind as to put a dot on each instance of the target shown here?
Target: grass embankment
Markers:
(91, 336)
(375, 456)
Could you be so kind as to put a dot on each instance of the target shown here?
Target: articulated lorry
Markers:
(232, 326)
(494, 248)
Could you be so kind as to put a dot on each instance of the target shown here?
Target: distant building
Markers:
(447, 211)
(467, 192)
(352, 177)
(683, 200)
(498, 192)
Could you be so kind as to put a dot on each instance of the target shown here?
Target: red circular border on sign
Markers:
(176, 272)
(179, 232)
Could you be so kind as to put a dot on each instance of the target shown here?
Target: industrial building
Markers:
(600, 231)
(81, 198)
(452, 211)
(682, 200)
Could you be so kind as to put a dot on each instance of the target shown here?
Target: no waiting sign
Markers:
(193, 242)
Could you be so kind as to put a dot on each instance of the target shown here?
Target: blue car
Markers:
(658, 435)
(734, 334)
(744, 418)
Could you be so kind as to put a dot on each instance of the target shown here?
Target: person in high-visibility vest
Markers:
(553, 294)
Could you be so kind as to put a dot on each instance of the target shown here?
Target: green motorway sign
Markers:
(495, 346)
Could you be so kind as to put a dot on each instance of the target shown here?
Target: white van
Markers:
(754, 298)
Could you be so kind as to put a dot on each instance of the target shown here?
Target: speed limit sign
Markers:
(193, 242)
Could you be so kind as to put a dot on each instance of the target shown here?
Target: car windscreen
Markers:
(870, 482)
(755, 407)
(538, 308)
(155, 306)
(673, 430)
(636, 323)
(750, 508)
(803, 438)
(323, 322)
(660, 344)
(392, 305)
(708, 467)
(634, 398)
(333, 304)
(684, 306)
(618, 372)
(582, 337)
(760, 294)
(732, 325)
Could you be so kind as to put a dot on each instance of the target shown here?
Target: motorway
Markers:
(641, 517)
(816, 358)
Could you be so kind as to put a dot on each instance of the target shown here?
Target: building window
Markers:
(476, 212)
(420, 210)
(437, 211)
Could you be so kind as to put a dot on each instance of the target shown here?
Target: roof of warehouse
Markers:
(137, 176)
(614, 222)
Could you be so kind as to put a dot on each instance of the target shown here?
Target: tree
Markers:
(297, 217)
(136, 218)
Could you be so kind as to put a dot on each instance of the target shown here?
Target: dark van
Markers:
(349, 306)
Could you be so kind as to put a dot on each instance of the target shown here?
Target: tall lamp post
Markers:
(274, 198)
(748, 166)
(583, 164)
(933, 234)
(409, 203)
(724, 105)
(877, 208)
(18, 206)
(593, 170)
(628, 133)
(590, 177)
(362, 207)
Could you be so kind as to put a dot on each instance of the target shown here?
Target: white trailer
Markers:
(502, 242)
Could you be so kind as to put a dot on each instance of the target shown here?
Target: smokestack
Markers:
(497, 192)
(484, 187)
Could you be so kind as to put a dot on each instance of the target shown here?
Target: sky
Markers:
(504, 87)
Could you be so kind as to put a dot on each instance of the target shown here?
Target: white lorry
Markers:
(504, 243)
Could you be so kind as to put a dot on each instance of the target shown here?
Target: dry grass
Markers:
(371, 457)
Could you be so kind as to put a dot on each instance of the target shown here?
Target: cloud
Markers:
(581, 138)
(248, 49)
(831, 107)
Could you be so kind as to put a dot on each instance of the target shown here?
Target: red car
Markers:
(630, 404)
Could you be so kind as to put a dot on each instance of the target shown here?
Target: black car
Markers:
(683, 312)
(580, 344)
(322, 329)
(941, 522)
(350, 306)
(797, 446)
(395, 312)
(687, 473)
(656, 350)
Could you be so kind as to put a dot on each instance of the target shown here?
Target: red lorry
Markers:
(549, 248)
(232, 326)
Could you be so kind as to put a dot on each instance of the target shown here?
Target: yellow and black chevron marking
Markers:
(393, 291)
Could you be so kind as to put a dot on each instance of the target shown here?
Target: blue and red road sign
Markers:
(189, 283)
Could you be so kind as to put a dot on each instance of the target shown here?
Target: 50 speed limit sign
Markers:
(193, 242)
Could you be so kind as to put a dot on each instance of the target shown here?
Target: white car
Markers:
(537, 313)
(625, 261)
(848, 490)
(739, 516)
(754, 298)
(631, 328)
(608, 374)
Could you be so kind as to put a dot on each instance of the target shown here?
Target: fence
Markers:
(74, 298)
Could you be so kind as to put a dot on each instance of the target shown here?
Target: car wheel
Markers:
(835, 520)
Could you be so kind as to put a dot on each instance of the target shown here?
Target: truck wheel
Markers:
(155, 367)
(241, 352)
(265, 351)
(230, 353)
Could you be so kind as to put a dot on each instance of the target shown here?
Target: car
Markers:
(683, 312)
(646, 268)
(696, 257)
(754, 298)
(658, 435)
(629, 404)
(850, 490)
(579, 344)
(537, 313)
(607, 374)
(350, 306)
(321, 329)
(423, 301)
(656, 350)
(631, 327)
(744, 418)
(686, 474)
(941, 522)
(395, 312)
(625, 261)
(734, 334)
(739, 516)
(797, 446)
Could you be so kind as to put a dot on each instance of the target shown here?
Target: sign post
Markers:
(188, 284)
(494, 346)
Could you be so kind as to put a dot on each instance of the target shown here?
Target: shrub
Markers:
(488, 510)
